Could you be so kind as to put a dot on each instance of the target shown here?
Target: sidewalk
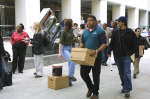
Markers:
(25, 86)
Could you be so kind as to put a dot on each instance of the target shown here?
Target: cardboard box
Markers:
(58, 82)
(81, 56)
(141, 48)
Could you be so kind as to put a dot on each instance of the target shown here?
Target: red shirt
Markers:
(19, 37)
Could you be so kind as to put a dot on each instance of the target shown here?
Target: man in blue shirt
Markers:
(93, 38)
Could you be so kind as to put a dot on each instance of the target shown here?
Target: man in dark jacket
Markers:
(2, 51)
(123, 44)
(139, 53)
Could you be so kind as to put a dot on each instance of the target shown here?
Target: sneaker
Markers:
(89, 93)
(122, 91)
(38, 76)
(1, 84)
(114, 64)
(73, 78)
(70, 84)
(1, 88)
(35, 74)
(134, 76)
(21, 72)
(94, 97)
(104, 64)
(127, 94)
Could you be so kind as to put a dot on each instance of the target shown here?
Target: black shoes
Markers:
(38, 76)
(1, 84)
(104, 64)
(134, 76)
(89, 93)
(70, 84)
(114, 64)
(21, 72)
(127, 94)
(122, 91)
(35, 74)
(94, 97)
(18, 72)
(73, 78)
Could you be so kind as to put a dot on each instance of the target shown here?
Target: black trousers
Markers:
(19, 52)
(96, 69)
(0, 67)
(1, 83)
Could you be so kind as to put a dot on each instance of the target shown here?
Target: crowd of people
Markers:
(101, 39)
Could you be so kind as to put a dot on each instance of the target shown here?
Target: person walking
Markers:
(2, 52)
(76, 36)
(82, 29)
(20, 41)
(123, 44)
(37, 47)
(65, 46)
(139, 53)
(93, 38)
(104, 52)
(113, 25)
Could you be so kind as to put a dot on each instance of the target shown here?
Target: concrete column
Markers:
(147, 18)
(27, 12)
(143, 18)
(71, 9)
(99, 9)
(2, 15)
(117, 11)
(133, 18)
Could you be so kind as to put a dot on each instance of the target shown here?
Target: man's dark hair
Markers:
(82, 26)
(75, 24)
(22, 26)
(99, 21)
(137, 29)
(93, 17)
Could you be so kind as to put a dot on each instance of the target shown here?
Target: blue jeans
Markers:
(104, 55)
(66, 53)
(124, 67)
(4, 65)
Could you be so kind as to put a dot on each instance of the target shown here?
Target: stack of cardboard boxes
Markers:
(57, 80)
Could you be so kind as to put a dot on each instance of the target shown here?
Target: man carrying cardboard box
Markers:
(93, 38)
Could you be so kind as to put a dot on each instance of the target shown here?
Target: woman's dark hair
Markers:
(68, 24)
(82, 26)
(22, 26)
(137, 29)
(93, 17)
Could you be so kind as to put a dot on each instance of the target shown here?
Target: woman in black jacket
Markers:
(37, 46)
(2, 52)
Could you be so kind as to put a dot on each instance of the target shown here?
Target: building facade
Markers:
(28, 11)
